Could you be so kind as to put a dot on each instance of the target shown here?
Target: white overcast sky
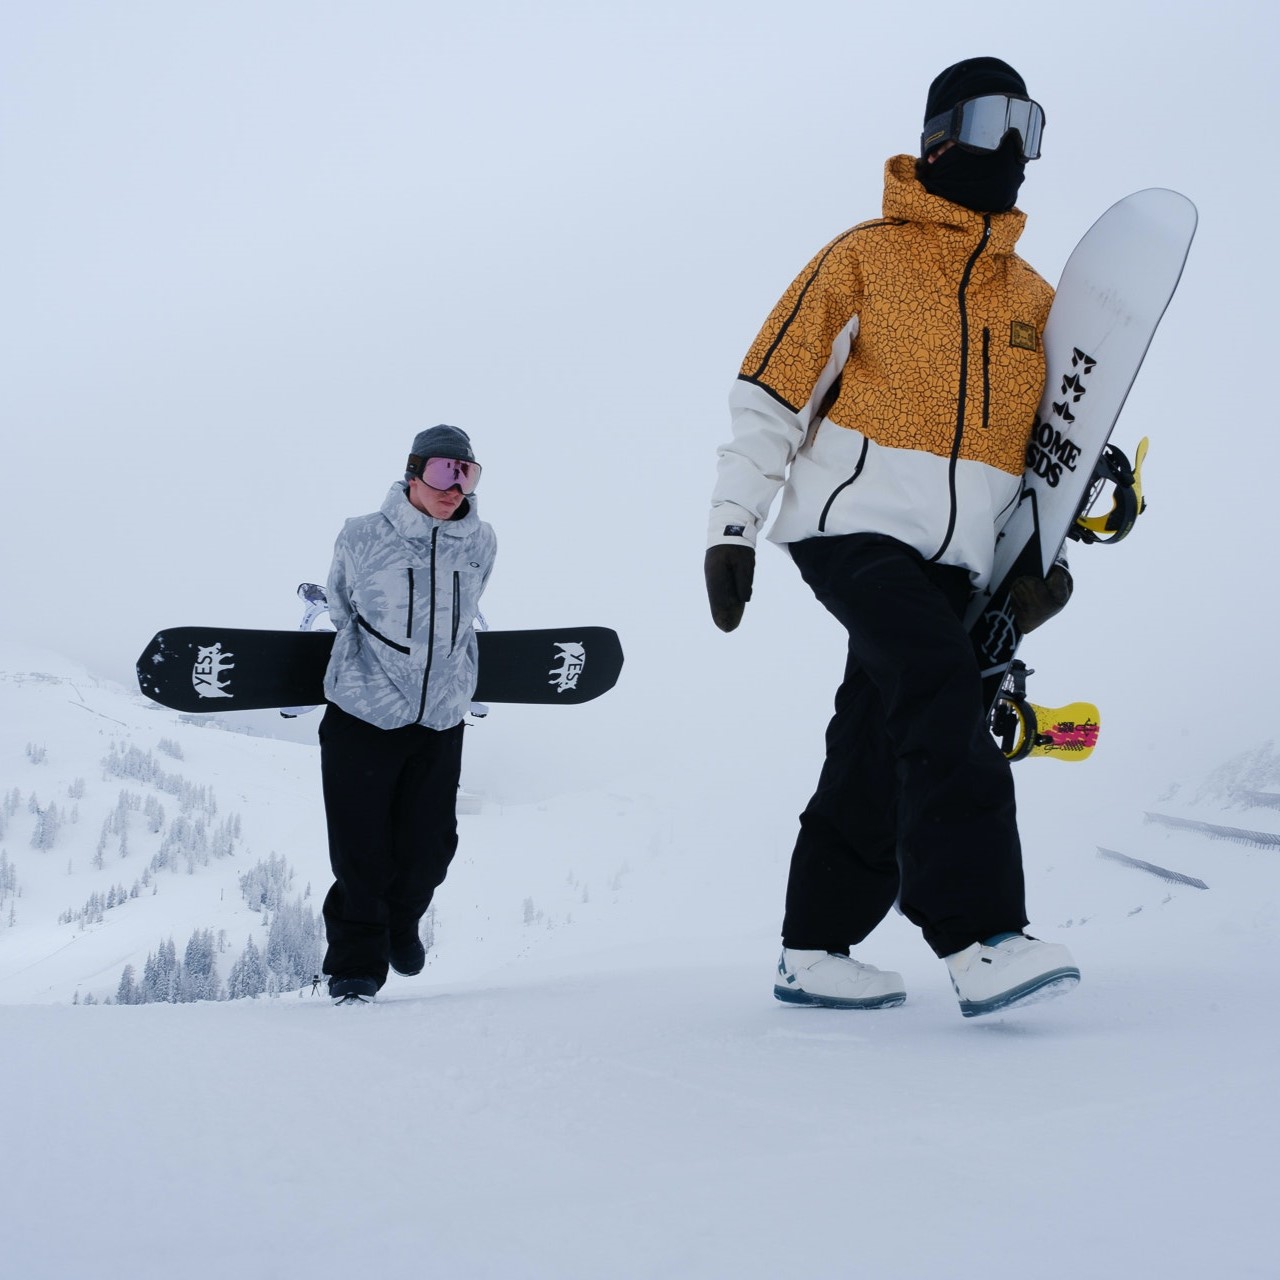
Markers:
(249, 249)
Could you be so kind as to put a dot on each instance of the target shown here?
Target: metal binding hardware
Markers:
(1127, 502)
(1012, 720)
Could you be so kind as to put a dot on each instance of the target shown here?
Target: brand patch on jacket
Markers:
(1022, 334)
(734, 530)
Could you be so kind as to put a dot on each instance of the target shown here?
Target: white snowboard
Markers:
(1114, 289)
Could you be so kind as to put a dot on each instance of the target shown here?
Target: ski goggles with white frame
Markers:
(444, 473)
(982, 124)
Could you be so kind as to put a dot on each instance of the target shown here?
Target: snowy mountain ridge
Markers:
(127, 842)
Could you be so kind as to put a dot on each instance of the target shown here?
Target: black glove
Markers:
(729, 570)
(1036, 600)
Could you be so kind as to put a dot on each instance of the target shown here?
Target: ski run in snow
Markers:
(591, 1078)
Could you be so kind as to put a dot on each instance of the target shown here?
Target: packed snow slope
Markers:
(592, 1079)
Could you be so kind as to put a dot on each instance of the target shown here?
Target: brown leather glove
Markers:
(1036, 600)
(729, 570)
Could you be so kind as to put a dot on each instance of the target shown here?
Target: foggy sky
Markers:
(250, 250)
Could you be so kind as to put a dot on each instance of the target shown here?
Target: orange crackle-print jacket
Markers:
(893, 388)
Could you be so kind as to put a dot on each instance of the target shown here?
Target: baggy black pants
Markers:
(390, 798)
(915, 802)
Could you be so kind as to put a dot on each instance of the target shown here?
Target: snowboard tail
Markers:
(238, 669)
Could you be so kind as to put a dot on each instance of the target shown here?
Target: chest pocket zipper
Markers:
(986, 377)
(377, 635)
(457, 608)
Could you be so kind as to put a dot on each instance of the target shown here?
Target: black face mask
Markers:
(985, 181)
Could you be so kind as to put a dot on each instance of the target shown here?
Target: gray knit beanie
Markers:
(438, 442)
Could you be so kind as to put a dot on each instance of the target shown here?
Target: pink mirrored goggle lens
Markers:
(444, 473)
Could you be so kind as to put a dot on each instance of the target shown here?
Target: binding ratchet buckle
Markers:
(1127, 502)
(1012, 720)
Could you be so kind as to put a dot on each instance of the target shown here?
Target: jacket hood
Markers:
(409, 522)
(905, 199)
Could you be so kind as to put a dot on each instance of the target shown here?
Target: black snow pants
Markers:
(390, 798)
(915, 802)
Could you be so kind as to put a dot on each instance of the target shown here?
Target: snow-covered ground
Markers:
(592, 1079)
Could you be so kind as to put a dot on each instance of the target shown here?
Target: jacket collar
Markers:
(409, 522)
(906, 199)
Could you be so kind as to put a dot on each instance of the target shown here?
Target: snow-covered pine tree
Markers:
(48, 822)
(294, 945)
(248, 975)
(199, 971)
(127, 991)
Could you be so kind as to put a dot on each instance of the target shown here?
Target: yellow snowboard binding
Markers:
(1127, 502)
(1024, 729)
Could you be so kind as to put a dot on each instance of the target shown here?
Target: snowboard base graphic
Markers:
(236, 669)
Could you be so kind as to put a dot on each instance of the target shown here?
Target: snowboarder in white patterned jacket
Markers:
(403, 592)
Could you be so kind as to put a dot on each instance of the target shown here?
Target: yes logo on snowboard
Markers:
(573, 657)
(206, 675)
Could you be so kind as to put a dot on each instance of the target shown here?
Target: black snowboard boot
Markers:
(408, 955)
(352, 990)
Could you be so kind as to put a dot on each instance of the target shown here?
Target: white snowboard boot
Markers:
(835, 981)
(1007, 970)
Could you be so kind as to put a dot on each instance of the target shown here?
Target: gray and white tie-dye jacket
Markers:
(403, 593)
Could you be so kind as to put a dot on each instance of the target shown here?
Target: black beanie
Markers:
(971, 79)
(987, 182)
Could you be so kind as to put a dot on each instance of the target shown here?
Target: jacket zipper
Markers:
(431, 627)
(457, 608)
(840, 488)
(377, 635)
(986, 377)
(964, 381)
(408, 635)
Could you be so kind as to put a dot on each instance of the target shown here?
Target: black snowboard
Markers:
(231, 669)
